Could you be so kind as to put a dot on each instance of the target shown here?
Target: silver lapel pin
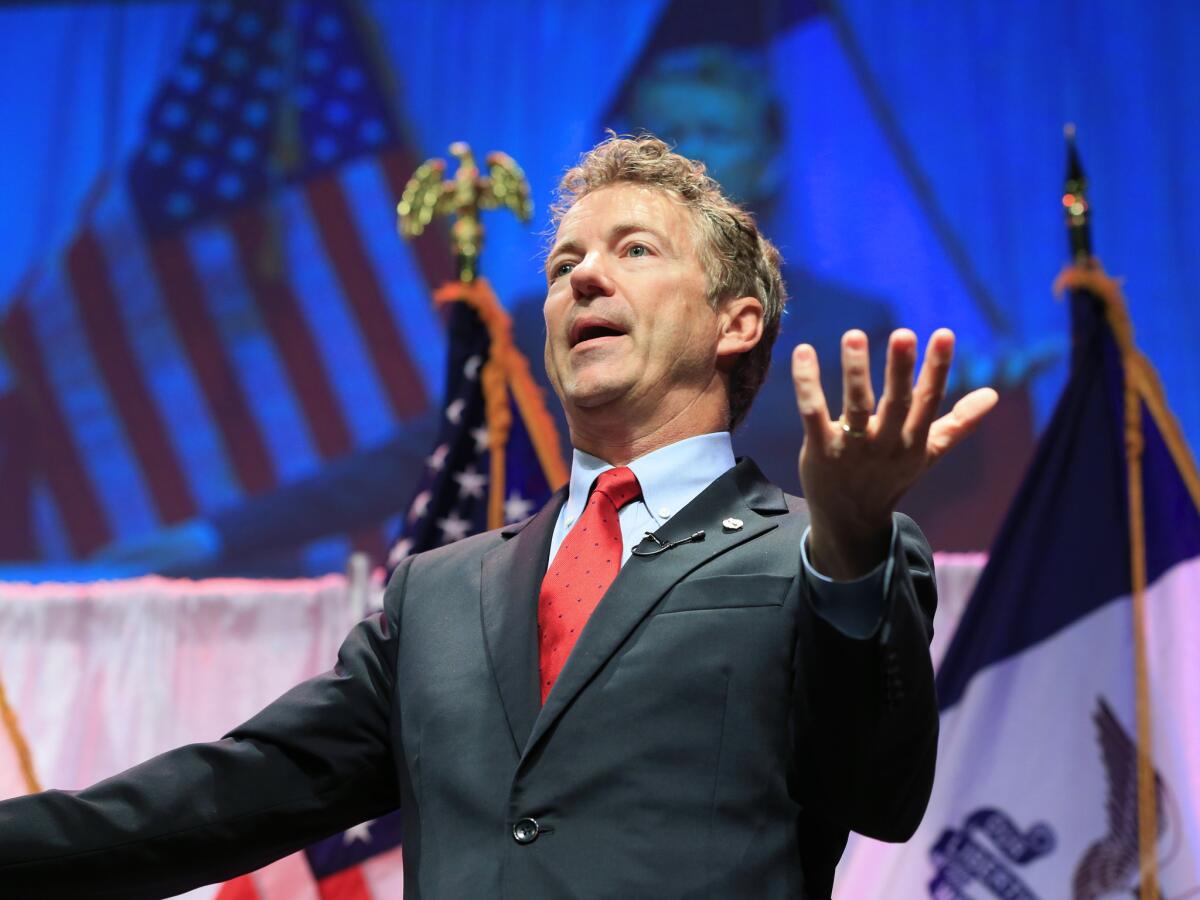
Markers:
(732, 524)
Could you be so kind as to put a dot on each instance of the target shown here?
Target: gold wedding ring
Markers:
(853, 432)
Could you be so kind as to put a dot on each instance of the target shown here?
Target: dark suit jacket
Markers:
(715, 733)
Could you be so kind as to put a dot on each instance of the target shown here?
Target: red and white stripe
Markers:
(379, 878)
(174, 376)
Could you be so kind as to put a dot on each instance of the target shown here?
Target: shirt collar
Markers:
(671, 477)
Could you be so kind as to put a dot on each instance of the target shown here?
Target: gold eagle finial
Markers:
(428, 195)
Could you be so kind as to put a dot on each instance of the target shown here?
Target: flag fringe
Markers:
(8, 718)
(507, 370)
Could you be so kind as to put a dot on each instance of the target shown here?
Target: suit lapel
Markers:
(511, 579)
(742, 493)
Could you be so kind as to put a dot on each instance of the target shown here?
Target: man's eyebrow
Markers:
(615, 233)
(628, 228)
(568, 246)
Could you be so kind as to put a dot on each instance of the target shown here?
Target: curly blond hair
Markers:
(737, 260)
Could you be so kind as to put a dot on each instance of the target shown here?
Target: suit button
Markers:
(526, 831)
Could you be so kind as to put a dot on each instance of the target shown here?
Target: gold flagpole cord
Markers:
(1133, 368)
(24, 758)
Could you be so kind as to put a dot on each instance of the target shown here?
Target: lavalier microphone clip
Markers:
(664, 547)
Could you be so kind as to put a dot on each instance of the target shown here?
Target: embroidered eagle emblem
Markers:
(1110, 865)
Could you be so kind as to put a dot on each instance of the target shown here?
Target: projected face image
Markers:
(716, 105)
(711, 123)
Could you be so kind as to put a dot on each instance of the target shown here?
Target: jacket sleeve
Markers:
(867, 717)
(316, 761)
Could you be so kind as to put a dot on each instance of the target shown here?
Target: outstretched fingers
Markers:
(966, 415)
(810, 398)
(858, 397)
(898, 384)
(931, 387)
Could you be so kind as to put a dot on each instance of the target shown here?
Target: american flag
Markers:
(361, 863)
(232, 309)
(496, 460)
(497, 457)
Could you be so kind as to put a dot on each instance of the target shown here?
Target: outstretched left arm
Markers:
(865, 680)
(867, 718)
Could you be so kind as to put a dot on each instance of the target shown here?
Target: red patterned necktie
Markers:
(586, 564)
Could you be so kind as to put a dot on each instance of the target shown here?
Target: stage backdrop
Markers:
(218, 356)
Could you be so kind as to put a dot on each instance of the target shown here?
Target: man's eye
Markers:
(638, 250)
(563, 269)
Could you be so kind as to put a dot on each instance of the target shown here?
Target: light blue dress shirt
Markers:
(672, 477)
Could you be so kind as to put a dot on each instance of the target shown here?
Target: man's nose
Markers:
(589, 278)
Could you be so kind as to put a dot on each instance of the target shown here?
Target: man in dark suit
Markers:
(564, 708)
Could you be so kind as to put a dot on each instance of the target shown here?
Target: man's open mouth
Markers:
(588, 330)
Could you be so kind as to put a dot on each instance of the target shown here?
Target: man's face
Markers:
(713, 123)
(628, 321)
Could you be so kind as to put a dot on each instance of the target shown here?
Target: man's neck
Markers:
(619, 439)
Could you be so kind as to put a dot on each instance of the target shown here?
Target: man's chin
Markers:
(597, 401)
(596, 395)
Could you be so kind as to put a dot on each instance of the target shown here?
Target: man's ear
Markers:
(741, 327)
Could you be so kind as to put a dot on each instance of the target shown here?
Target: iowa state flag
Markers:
(1080, 645)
